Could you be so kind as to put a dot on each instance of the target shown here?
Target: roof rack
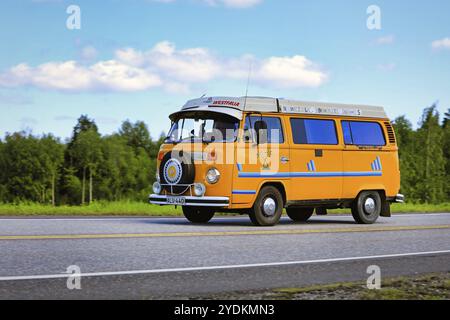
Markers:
(235, 106)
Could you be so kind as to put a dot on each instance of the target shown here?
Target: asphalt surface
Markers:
(143, 258)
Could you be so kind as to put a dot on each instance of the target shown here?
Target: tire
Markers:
(271, 214)
(299, 214)
(185, 171)
(367, 207)
(198, 214)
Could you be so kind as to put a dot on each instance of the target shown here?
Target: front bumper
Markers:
(191, 201)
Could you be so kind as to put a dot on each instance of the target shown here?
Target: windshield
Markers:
(203, 129)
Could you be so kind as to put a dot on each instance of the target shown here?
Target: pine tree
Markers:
(406, 137)
(446, 146)
(430, 157)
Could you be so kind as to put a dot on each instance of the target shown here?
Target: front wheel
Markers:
(198, 214)
(267, 208)
(367, 207)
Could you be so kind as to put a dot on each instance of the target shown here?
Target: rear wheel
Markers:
(198, 214)
(367, 207)
(299, 214)
(267, 208)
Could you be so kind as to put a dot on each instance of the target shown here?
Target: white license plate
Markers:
(176, 200)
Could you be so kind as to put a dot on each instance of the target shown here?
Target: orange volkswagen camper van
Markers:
(258, 156)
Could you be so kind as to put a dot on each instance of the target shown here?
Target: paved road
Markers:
(169, 257)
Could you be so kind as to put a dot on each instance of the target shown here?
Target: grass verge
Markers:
(126, 208)
(422, 287)
(145, 209)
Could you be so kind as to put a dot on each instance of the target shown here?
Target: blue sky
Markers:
(141, 59)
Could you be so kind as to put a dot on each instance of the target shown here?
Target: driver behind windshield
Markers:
(221, 131)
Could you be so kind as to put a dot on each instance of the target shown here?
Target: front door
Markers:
(260, 160)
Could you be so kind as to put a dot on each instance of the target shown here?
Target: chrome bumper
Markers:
(191, 201)
(399, 198)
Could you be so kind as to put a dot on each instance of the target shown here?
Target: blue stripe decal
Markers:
(379, 163)
(239, 166)
(309, 166)
(244, 192)
(308, 174)
(313, 165)
(373, 166)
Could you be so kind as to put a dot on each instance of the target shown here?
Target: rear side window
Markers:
(363, 133)
(274, 132)
(313, 131)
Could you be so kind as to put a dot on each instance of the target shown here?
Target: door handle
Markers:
(284, 159)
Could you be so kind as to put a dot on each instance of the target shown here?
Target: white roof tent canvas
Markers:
(235, 106)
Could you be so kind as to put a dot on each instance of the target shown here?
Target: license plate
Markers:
(176, 200)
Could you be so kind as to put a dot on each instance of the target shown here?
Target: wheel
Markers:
(267, 208)
(299, 214)
(367, 207)
(198, 214)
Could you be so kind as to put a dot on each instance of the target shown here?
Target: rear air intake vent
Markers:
(390, 131)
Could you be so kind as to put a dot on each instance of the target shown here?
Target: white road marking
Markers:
(268, 264)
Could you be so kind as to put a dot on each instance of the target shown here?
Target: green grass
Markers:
(435, 286)
(97, 208)
(145, 209)
(422, 287)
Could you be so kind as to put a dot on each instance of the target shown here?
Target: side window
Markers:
(274, 128)
(363, 133)
(313, 131)
(347, 132)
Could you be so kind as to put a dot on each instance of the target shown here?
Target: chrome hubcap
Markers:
(369, 206)
(269, 207)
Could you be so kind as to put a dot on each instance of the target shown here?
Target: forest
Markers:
(89, 167)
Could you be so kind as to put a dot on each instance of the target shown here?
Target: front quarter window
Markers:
(173, 133)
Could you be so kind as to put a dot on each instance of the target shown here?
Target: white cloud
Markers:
(164, 66)
(290, 72)
(385, 40)
(71, 76)
(441, 44)
(198, 65)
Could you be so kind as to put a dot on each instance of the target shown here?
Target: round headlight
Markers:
(199, 189)
(156, 187)
(212, 176)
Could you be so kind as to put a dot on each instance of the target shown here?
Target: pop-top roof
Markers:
(235, 106)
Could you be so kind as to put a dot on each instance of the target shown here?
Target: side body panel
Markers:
(315, 169)
(379, 167)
